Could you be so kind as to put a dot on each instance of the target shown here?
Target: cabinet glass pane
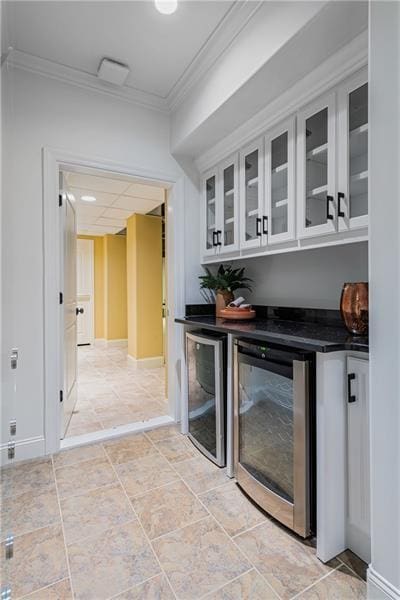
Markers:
(252, 195)
(358, 151)
(266, 428)
(316, 168)
(229, 206)
(210, 211)
(279, 184)
(201, 394)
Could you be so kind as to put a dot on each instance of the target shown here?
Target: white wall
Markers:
(40, 112)
(384, 118)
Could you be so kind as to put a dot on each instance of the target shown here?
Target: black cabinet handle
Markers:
(258, 226)
(350, 378)
(340, 197)
(328, 214)
(214, 237)
(219, 243)
(265, 225)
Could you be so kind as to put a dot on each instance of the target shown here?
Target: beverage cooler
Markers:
(206, 383)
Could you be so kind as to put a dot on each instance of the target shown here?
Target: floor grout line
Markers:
(315, 582)
(46, 587)
(221, 587)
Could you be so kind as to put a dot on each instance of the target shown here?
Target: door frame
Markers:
(53, 160)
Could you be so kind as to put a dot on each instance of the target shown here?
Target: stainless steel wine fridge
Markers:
(274, 430)
(205, 358)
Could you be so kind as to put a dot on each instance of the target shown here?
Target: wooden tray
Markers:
(237, 314)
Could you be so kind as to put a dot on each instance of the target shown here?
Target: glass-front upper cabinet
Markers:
(252, 210)
(228, 218)
(316, 151)
(209, 220)
(353, 153)
(278, 224)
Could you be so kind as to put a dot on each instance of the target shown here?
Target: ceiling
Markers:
(158, 48)
(116, 200)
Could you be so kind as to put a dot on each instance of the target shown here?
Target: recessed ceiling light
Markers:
(88, 198)
(166, 7)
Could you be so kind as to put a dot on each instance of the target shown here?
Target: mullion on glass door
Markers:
(252, 195)
(353, 153)
(210, 213)
(228, 230)
(280, 183)
(316, 173)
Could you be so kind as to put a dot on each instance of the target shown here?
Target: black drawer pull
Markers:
(350, 396)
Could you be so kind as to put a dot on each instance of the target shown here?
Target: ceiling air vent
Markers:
(113, 71)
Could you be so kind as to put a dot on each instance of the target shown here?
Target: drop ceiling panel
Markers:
(139, 190)
(102, 198)
(110, 222)
(90, 211)
(131, 32)
(116, 213)
(137, 205)
(97, 184)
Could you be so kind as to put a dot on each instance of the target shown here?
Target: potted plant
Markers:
(222, 284)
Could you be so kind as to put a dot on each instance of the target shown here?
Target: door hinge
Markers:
(11, 450)
(13, 427)
(9, 546)
(61, 395)
(61, 298)
(59, 199)
(5, 593)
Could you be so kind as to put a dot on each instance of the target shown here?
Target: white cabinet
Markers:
(209, 214)
(353, 153)
(316, 173)
(279, 222)
(358, 464)
(252, 203)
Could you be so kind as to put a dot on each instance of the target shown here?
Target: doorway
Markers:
(114, 273)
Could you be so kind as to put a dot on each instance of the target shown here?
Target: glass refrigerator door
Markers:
(205, 395)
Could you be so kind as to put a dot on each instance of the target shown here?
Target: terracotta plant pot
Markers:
(222, 299)
(354, 307)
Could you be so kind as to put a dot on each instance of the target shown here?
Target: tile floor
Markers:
(147, 517)
(112, 391)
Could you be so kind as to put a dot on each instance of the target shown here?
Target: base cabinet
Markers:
(358, 463)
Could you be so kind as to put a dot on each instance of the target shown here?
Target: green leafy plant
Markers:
(225, 279)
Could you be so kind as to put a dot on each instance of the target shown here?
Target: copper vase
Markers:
(354, 307)
(222, 299)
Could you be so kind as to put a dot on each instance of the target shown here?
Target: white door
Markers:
(209, 214)
(228, 217)
(85, 291)
(70, 321)
(316, 174)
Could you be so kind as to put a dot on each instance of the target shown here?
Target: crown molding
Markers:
(334, 70)
(48, 68)
(230, 26)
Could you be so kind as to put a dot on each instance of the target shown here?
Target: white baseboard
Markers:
(378, 588)
(120, 343)
(99, 342)
(147, 363)
(24, 450)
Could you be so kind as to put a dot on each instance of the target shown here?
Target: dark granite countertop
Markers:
(317, 336)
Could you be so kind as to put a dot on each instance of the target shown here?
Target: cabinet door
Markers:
(316, 168)
(358, 506)
(228, 220)
(279, 222)
(251, 195)
(209, 212)
(353, 153)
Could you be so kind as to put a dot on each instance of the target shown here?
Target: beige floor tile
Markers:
(111, 563)
(250, 586)
(29, 476)
(39, 560)
(58, 591)
(232, 509)
(355, 563)
(342, 584)
(167, 508)
(75, 455)
(129, 448)
(91, 513)
(288, 565)
(201, 474)
(156, 588)
(29, 511)
(83, 477)
(199, 559)
(143, 474)
(163, 433)
(176, 449)
(83, 427)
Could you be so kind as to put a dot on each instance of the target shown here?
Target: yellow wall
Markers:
(145, 296)
(115, 290)
(98, 283)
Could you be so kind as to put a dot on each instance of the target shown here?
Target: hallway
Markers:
(147, 517)
(113, 391)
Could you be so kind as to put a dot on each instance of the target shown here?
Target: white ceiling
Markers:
(158, 48)
(116, 200)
